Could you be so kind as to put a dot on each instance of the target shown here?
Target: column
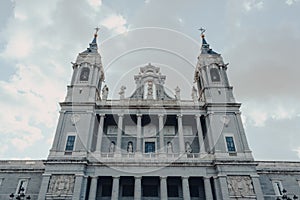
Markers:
(223, 187)
(257, 187)
(93, 188)
(100, 133)
(200, 134)
(180, 134)
(77, 187)
(137, 187)
(207, 188)
(138, 133)
(161, 133)
(119, 136)
(185, 188)
(163, 188)
(115, 188)
(44, 186)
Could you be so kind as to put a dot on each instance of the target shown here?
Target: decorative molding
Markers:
(61, 185)
(240, 186)
(75, 118)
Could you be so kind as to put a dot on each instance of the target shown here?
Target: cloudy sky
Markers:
(259, 38)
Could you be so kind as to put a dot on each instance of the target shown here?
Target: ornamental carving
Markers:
(240, 186)
(61, 185)
(75, 118)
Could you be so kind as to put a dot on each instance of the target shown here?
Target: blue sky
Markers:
(259, 38)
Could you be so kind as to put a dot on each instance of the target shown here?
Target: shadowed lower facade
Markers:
(149, 144)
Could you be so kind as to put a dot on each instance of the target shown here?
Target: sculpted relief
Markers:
(240, 186)
(61, 185)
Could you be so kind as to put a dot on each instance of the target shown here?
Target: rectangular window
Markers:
(22, 185)
(230, 144)
(149, 147)
(70, 143)
(277, 187)
(187, 130)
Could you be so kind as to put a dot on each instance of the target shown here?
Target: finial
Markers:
(202, 30)
(96, 33)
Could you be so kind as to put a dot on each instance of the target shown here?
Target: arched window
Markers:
(84, 75)
(214, 74)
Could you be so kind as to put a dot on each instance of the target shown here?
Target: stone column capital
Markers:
(121, 115)
(139, 115)
(137, 177)
(163, 177)
(116, 177)
(179, 115)
(102, 115)
(197, 115)
(160, 115)
(185, 177)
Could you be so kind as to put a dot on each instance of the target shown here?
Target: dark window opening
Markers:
(70, 143)
(173, 191)
(230, 144)
(84, 75)
(214, 74)
(128, 191)
(106, 190)
(150, 191)
(149, 147)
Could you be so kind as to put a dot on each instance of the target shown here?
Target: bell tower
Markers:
(211, 77)
(224, 129)
(88, 75)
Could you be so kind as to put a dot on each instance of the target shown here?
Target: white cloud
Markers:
(95, 3)
(117, 23)
(19, 46)
(253, 4)
(297, 150)
(258, 117)
(290, 2)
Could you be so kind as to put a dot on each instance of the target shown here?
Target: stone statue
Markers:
(104, 92)
(169, 147)
(188, 148)
(122, 92)
(129, 147)
(194, 94)
(150, 90)
(177, 92)
(112, 147)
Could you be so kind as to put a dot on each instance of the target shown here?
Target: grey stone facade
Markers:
(151, 144)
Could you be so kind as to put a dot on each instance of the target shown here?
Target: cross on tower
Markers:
(97, 29)
(202, 30)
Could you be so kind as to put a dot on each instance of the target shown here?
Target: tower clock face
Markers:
(84, 75)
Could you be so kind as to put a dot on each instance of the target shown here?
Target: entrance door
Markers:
(149, 147)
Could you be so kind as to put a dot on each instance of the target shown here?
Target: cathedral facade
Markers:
(150, 144)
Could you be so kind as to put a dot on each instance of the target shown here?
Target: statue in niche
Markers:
(169, 148)
(177, 92)
(129, 147)
(104, 92)
(150, 90)
(194, 94)
(112, 147)
(122, 92)
(188, 148)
